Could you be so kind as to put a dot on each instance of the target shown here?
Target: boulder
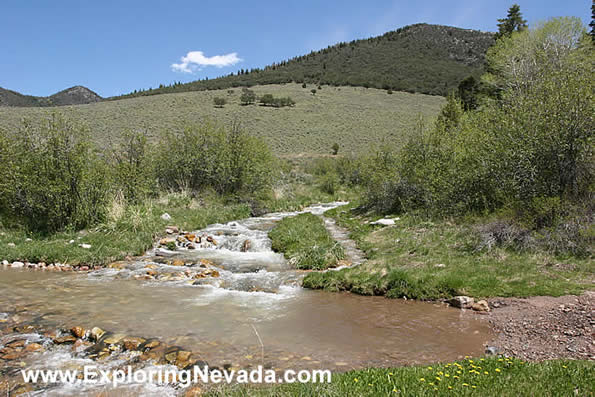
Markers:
(383, 222)
(246, 246)
(462, 302)
(17, 265)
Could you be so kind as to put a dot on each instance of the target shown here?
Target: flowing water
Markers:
(256, 297)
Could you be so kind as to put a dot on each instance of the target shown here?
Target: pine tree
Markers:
(513, 22)
(592, 24)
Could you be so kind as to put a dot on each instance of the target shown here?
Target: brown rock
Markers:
(190, 237)
(172, 229)
(153, 273)
(17, 343)
(79, 332)
(152, 345)
(132, 343)
(246, 246)
(34, 347)
(177, 262)
(65, 340)
(166, 241)
(151, 266)
(481, 306)
(194, 391)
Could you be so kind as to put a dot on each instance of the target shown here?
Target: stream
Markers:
(251, 295)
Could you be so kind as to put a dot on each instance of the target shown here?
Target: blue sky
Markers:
(114, 47)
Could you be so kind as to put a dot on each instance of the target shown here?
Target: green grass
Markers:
(354, 117)
(306, 243)
(402, 261)
(471, 377)
(130, 231)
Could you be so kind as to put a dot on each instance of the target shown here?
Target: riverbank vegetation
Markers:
(496, 200)
(470, 377)
(63, 199)
(306, 243)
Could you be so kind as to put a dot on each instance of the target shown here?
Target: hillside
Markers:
(76, 95)
(430, 59)
(354, 117)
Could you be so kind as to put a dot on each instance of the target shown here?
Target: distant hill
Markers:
(353, 117)
(422, 58)
(77, 95)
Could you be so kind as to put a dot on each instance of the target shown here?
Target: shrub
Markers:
(135, 176)
(52, 177)
(248, 97)
(219, 102)
(209, 156)
(335, 148)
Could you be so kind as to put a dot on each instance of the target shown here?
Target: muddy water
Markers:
(256, 295)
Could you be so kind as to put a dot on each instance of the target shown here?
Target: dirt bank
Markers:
(541, 328)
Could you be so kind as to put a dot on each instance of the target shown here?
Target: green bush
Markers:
(208, 156)
(52, 178)
(134, 168)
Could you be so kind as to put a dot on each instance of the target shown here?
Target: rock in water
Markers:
(246, 246)
(462, 302)
(481, 306)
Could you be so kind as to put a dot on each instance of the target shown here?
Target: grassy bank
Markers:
(306, 243)
(130, 230)
(471, 377)
(420, 259)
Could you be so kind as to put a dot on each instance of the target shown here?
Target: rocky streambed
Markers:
(218, 295)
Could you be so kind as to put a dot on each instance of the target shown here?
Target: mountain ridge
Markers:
(76, 95)
(420, 58)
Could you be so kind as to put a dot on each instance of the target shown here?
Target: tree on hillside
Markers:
(248, 97)
(513, 22)
(592, 24)
(468, 90)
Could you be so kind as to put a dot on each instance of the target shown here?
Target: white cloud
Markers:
(195, 60)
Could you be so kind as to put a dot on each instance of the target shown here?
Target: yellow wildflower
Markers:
(465, 384)
(355, 380)
(486, 372)
(430, 368)
(422, 380)
(497, 370)
(475, 387)
(438, 378)
(447, 375)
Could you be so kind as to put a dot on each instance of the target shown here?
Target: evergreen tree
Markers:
(592, 24)
(513, 22)
(468, 90)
